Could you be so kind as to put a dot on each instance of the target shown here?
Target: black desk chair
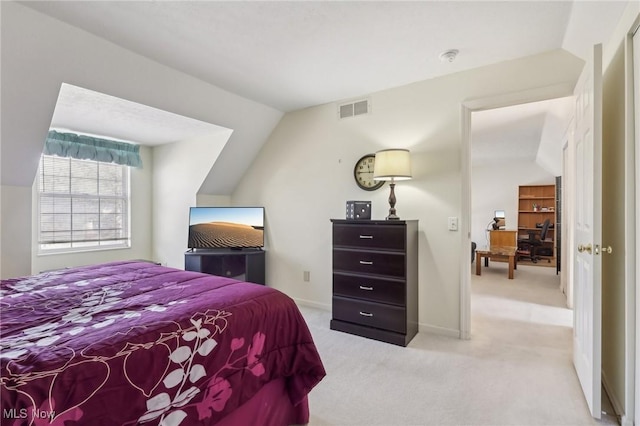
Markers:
(534, 242)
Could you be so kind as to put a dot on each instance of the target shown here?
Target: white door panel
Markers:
(587, 336)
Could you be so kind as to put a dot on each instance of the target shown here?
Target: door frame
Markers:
(466, 109)
(632, 222)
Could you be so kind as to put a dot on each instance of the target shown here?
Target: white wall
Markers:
(495, 187)
(40, 53)
(16, 231)
(179, 170)
(550, 150)
(304, 175)
(206, 200)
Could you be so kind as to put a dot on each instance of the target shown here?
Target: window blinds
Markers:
(82, 203)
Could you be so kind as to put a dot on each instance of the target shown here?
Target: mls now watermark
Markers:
(25, 413)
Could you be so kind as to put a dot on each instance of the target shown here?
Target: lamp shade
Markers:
(392, 164)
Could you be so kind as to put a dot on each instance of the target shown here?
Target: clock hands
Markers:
(365, 166)
(368, 170)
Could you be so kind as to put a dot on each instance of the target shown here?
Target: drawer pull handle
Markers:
(366, 237)
(366, 262)
(366, 288)
(366, 314)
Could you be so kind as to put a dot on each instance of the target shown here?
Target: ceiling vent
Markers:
(353, 109)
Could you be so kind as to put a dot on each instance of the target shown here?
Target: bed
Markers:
(126, 343)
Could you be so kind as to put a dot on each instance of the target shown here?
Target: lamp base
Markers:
(392, 203)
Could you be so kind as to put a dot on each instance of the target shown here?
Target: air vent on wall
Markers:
(353, 109)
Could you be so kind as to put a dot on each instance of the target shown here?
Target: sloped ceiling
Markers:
(292, 55)
(296, 54)
(81, 110)
(517, 133)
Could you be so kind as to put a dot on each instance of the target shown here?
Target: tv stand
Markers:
(244, 265)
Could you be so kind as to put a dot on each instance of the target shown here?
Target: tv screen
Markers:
(226, 227)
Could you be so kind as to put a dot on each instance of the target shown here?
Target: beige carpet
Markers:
(516, 369)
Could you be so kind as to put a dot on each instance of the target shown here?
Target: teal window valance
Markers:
(90, 148)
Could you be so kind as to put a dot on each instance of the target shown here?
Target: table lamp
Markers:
(392, 165)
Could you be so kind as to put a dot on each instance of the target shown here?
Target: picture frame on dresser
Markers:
(375, 279)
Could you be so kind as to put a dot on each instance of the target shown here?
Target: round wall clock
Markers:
(363, 173)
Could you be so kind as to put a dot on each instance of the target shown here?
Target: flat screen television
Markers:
(226, 227)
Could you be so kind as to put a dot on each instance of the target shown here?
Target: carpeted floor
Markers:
(515, 370)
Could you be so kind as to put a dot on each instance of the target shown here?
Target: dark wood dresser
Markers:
(375, 279)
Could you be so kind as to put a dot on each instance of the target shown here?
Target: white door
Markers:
(587, 288)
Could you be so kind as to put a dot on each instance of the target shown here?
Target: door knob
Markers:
(586, 248)
(607, 250)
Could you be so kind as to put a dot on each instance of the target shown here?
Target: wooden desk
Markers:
(497, 253)
(503, 238)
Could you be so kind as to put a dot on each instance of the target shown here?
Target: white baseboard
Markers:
(312, 304)
(441, 331)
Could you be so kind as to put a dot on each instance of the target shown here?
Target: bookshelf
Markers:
(536, 203)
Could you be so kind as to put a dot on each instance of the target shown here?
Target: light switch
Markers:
(453, 224)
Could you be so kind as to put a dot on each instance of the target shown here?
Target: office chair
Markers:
(534, 241)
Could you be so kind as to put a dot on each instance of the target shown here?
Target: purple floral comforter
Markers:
(128, 343)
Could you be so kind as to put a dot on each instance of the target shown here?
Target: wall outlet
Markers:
(306, 276)
(453, 224)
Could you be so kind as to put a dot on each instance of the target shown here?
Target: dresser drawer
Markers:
(386, 237)
(392, 264)
(369, 288)
(371, 314)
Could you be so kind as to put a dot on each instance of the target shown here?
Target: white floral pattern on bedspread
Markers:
(130, 343)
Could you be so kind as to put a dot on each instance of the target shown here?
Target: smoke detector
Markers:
(449, 55)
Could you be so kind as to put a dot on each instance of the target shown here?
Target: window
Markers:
(83, 205)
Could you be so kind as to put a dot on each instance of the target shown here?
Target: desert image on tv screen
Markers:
(226, 227)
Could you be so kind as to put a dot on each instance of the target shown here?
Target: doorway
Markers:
(518, 148)
(469, 108)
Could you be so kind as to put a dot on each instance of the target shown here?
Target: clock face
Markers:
(363, 173)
